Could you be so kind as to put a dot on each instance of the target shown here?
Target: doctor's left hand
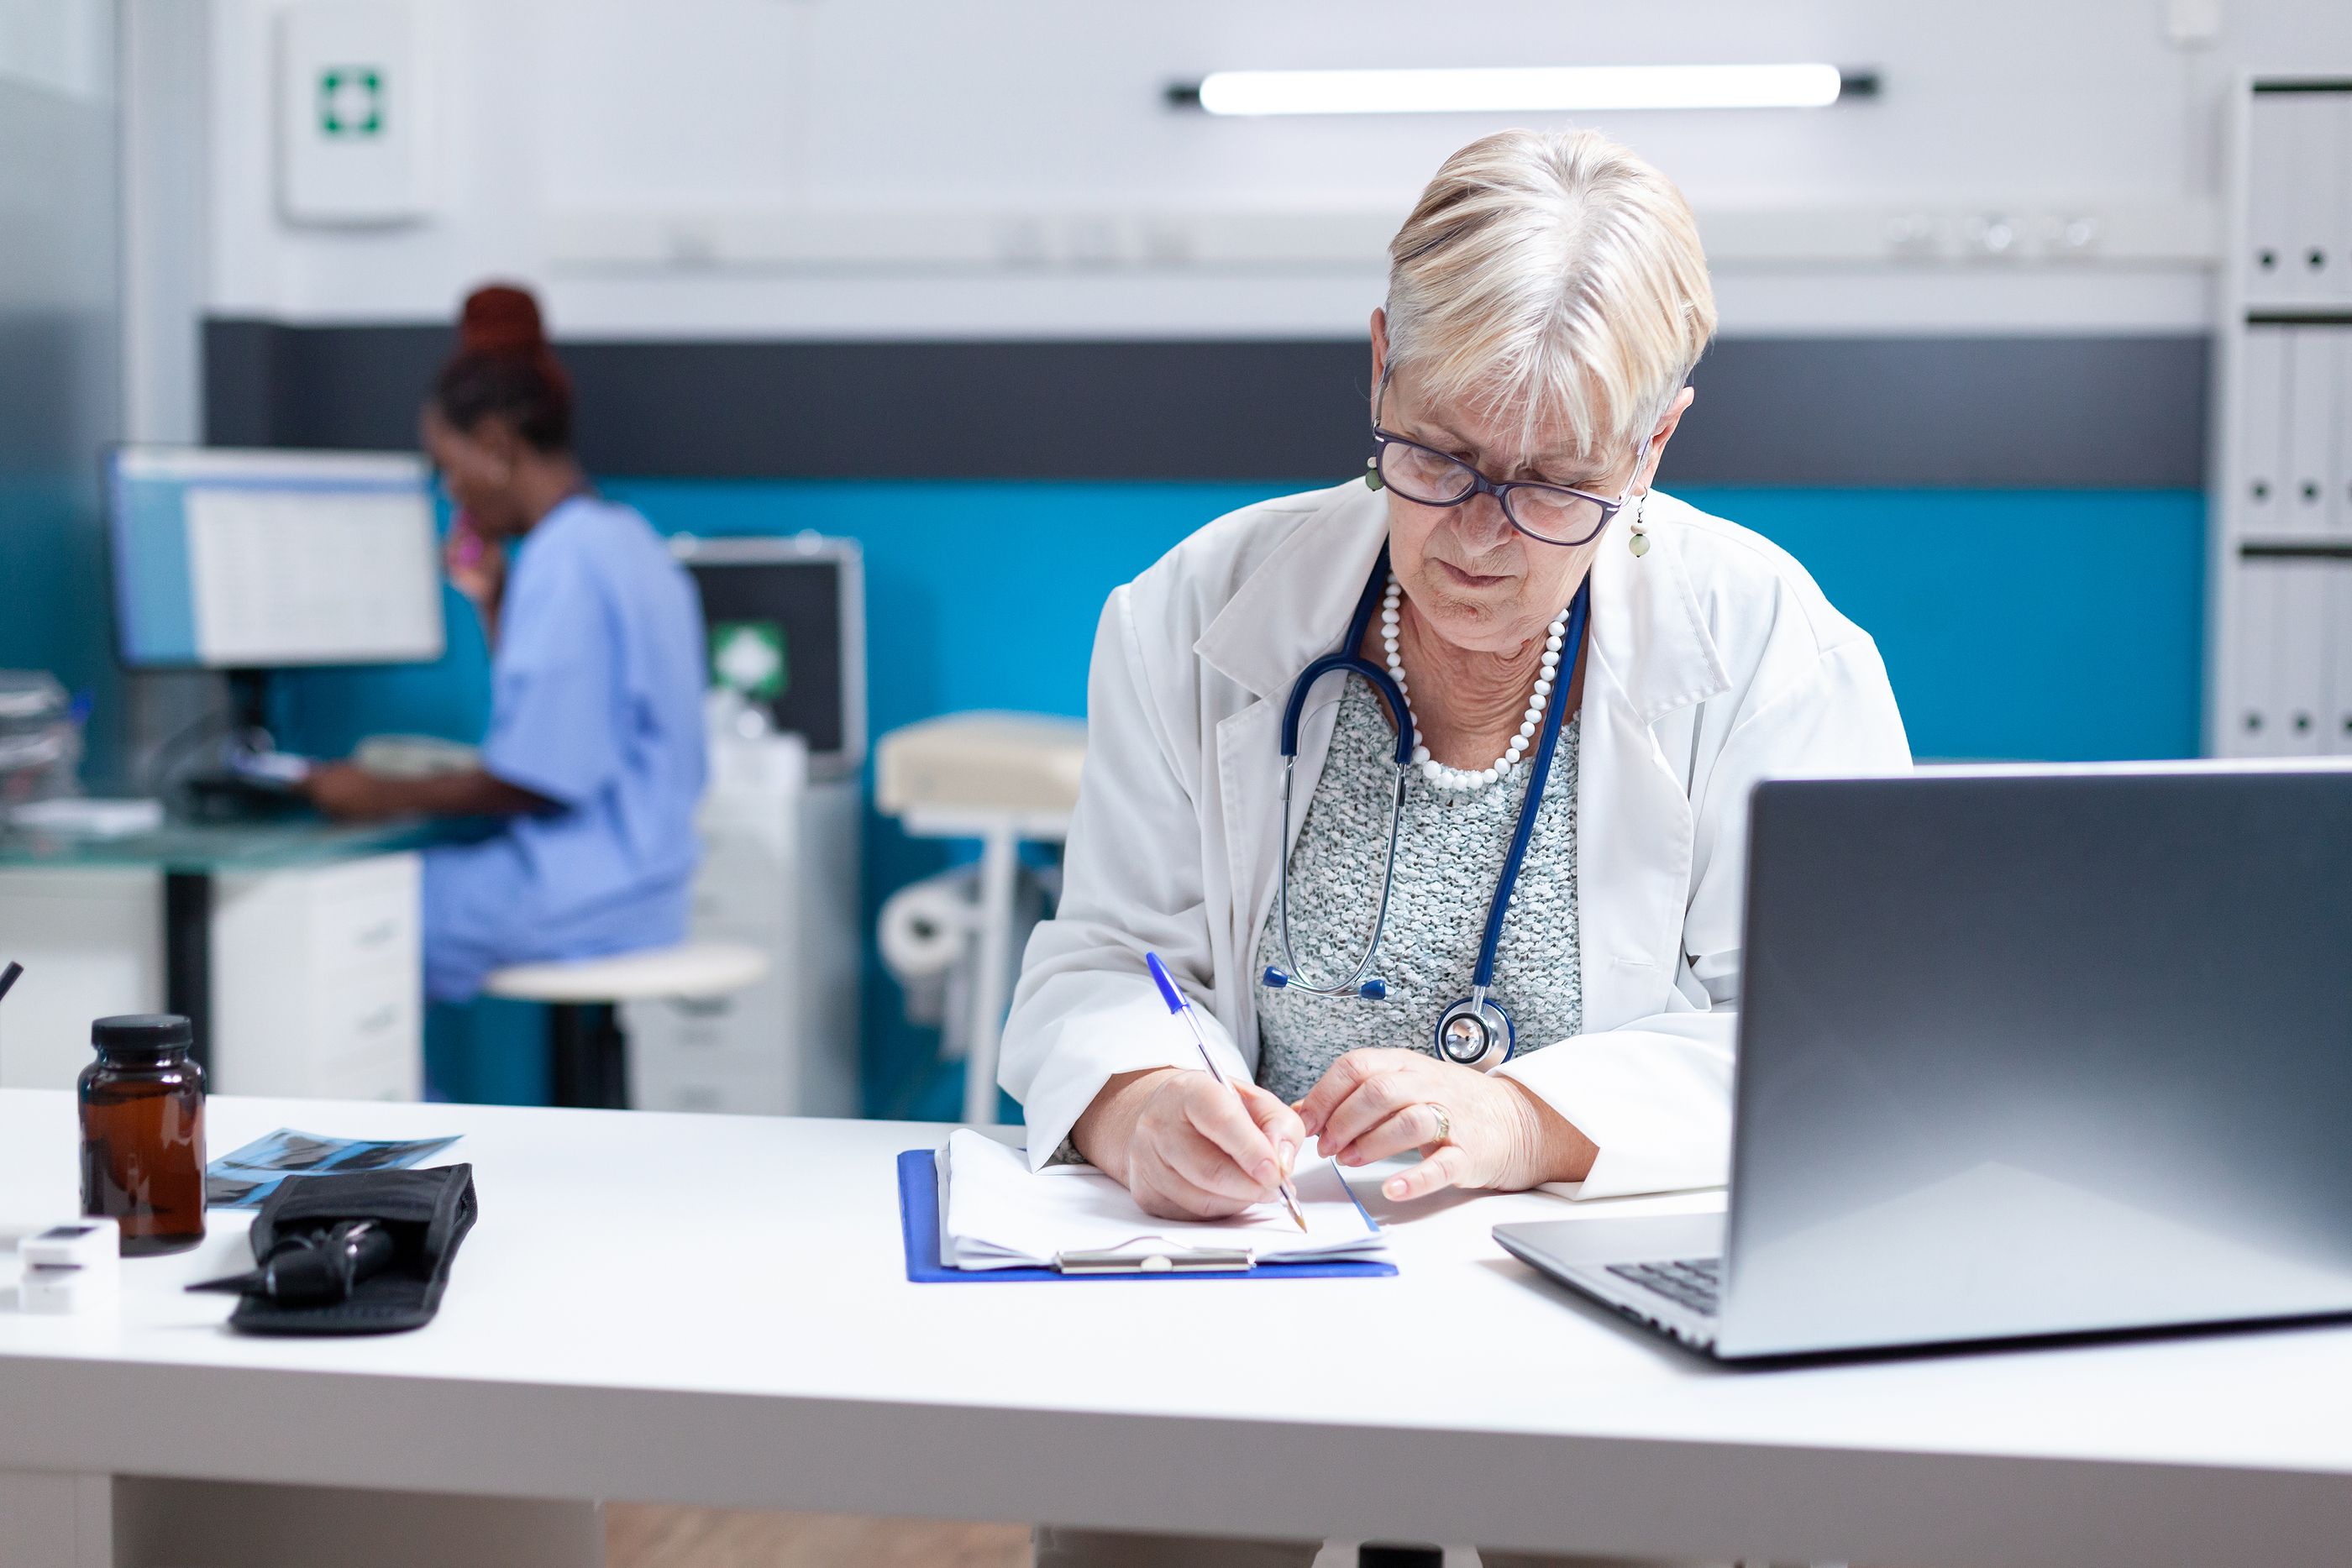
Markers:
(1371, 1105)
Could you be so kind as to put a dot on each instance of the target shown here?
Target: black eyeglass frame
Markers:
(1501, 490)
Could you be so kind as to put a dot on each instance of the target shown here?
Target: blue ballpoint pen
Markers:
(1183, 1010)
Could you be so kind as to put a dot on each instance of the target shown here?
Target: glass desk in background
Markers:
(315, 960)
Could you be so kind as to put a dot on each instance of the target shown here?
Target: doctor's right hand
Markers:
(1188, 1146)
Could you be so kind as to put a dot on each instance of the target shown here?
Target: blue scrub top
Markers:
(597, 704)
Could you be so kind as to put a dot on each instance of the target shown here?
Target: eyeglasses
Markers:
(1548, 514)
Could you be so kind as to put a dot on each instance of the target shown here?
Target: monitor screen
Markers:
(230, 560)
(786, 620)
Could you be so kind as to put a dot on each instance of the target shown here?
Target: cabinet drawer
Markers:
(380, 1015)
(351, 935)
(708, 1087)
(745, 1032)
(749, 908)
(398, 1076)
(699, 1099)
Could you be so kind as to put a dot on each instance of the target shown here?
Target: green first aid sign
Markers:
(351, 101)
(748, 656)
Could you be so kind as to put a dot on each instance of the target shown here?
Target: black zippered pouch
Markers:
(427, 1213)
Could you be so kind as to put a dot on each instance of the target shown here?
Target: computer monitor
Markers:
(231, 560)
(786, 617)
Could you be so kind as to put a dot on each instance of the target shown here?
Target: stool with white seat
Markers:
(584, 1042)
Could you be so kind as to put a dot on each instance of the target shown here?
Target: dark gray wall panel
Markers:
(270, 385)
(2097, 413)
(2007, 413)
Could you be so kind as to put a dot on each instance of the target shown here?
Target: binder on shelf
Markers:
(2299, 636)
(2331, 200)
(2246, 725)
(2308, 503)
(2270, 184)
(2261, 433)
(2341, 293)
(2279, 668)
(2337, 629)
(2313, 264)
(2340, 487)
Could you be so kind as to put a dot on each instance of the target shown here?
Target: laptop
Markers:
(2024, 1052)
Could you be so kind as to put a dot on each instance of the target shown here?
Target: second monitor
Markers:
(231, 560)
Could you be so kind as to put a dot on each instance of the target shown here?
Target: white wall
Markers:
(58, 46)
(654, 166)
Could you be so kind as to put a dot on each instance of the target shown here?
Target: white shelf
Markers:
(2280, 595)
(2093, 231)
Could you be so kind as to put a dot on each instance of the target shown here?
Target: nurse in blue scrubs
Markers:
(594, 755)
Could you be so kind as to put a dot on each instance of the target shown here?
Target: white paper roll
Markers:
(925, 925)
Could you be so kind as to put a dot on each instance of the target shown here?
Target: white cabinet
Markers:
(92, 945)
(780, 874)
(317, 981)
(317, 986)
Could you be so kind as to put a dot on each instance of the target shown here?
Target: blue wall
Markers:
(2056, 625)
(2052, 624)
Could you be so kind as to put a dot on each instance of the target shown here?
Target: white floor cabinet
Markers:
(316, 975)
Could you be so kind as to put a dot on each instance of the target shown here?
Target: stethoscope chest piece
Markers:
(1475, 1032)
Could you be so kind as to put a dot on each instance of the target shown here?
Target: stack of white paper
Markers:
(995, 1213)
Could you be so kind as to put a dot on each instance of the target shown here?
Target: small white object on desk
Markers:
(996, 1213)
(89, 1243)
(65, 1292)
(75, 1265)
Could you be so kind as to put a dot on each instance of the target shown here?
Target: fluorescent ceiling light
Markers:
(1519, 90)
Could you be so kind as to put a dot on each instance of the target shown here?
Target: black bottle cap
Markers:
(143, 1034)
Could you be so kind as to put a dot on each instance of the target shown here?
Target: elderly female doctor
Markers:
(1594, 674)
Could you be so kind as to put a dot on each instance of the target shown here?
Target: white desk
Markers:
(805, 1372)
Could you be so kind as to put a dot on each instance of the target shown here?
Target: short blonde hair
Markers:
(1557, 273)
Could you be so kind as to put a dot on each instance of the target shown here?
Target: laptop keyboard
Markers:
(1690, 1283)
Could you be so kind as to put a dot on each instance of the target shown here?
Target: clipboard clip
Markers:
(1186, 1260)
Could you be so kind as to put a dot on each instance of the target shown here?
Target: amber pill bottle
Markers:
(142, 1132)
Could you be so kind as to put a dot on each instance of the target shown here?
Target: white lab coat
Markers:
(1713, 661)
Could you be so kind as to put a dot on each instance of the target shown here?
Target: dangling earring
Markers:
(1371, 473)
(1638, 542)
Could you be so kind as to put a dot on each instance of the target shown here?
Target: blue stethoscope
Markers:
(1475, 1031)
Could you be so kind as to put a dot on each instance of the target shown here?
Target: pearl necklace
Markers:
(1464, 779)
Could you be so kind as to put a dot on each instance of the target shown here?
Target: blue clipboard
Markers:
(918, 1227)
